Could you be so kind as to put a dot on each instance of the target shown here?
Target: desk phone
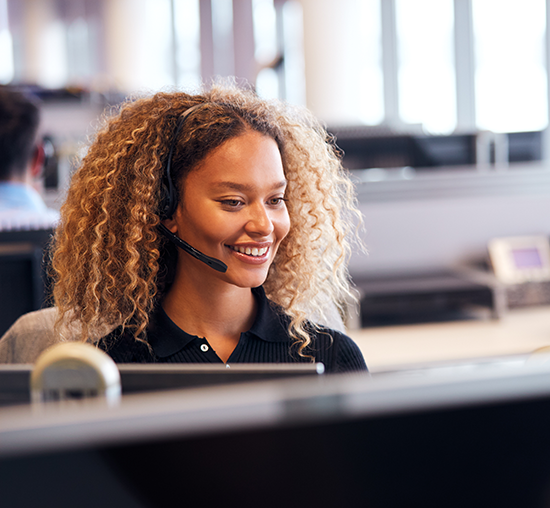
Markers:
(520, 259)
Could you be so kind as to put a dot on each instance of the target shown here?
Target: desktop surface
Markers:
(518, 332)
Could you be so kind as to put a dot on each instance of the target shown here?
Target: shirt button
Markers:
(204, 348)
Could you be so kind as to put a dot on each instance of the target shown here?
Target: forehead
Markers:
(249, 160)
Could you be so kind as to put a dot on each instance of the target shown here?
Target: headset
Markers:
(169, 201)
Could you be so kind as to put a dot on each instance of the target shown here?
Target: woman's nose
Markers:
(259, 221)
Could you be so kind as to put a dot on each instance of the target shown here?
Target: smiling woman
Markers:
(254, 194)
(232, 209)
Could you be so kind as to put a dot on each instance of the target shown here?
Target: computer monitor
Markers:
(366, 147)
(139, 378)
(153, 377)
(525, 146)
(23, 273)
(473, 440)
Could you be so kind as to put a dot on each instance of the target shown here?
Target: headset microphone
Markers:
(211, 262)
(169, 200)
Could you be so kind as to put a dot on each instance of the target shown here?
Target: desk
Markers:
(519, 331)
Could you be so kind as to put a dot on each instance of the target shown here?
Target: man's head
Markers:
(19, 120)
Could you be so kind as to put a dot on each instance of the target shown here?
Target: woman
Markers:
(258, 198)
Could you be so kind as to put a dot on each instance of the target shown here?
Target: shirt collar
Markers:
(166, 338)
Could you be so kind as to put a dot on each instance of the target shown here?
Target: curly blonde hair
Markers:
(110, 263)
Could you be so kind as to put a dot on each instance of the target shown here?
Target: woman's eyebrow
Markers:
(247, 187)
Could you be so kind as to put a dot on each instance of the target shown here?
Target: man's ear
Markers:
(37, 161)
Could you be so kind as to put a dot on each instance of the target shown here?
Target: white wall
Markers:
(406, 229)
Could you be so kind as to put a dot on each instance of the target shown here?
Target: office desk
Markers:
(519, 331)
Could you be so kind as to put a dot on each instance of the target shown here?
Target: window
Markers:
(6, 46)
(370, 92)
(426, 76)
(511, 76)
(267, 48)
(187, 34)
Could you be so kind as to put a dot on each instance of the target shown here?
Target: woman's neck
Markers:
(216, 310)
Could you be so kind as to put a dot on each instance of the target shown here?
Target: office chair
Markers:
(23, 273)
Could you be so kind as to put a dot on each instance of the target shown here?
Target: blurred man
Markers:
(21, 164)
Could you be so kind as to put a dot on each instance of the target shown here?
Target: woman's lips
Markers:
(250, 251)
(255, 254)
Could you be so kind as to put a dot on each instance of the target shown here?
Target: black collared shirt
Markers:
(266, 342)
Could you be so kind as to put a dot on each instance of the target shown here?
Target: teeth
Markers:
(250, 251)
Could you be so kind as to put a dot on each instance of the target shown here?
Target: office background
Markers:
(447, 65)
(441, 106)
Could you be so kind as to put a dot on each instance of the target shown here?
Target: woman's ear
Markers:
(171, 224)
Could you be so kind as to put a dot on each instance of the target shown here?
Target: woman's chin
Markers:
(249, 281)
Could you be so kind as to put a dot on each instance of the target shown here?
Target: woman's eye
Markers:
(276, 201)
(232, 203)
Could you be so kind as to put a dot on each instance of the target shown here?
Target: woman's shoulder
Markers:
(340, 350)
(329, 342)
(122, 346)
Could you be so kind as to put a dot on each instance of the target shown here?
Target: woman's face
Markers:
(232, 209)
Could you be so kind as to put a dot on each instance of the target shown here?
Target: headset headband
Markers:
(169, 198)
